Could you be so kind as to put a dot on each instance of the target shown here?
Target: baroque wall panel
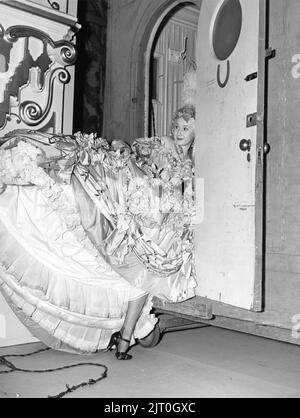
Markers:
(36, 89)
(36, 59)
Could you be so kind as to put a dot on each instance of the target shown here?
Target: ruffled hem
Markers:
(62, 311)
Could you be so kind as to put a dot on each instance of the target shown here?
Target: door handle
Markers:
(245, 145)
(267, 148)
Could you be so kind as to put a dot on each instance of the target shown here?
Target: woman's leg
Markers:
(134, 311)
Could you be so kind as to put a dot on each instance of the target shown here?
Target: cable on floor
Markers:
(12, 368)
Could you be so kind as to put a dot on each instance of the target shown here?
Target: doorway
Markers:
(173, 53)
(229, 42)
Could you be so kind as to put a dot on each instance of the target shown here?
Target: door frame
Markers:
(260, 198)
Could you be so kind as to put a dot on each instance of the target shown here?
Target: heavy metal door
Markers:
(230, 151)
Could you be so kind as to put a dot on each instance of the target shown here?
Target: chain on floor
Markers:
(12, 368)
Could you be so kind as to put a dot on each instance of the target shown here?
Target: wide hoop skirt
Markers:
(60, 287)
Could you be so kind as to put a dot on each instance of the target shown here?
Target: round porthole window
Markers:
(227, 29)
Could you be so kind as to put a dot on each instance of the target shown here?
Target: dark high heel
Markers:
(114, 341)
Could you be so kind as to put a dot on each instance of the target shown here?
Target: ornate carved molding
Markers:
(68, 50)
(27, 88)
(51, 13)
(31, 112)
(54, 5)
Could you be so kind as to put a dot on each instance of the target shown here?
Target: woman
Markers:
(90, 232)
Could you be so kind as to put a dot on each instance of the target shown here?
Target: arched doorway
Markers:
(154, 17)
(172, 55)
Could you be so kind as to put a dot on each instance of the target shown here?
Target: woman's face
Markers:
(184, 132)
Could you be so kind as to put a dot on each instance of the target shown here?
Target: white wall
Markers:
(12, 332)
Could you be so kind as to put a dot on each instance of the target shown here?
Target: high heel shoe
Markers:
(114, 342)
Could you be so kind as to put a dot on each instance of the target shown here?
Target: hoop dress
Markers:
(83, 232)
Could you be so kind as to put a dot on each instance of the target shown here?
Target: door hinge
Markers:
(270, 53)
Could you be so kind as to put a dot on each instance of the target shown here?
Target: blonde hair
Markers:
(186, 112)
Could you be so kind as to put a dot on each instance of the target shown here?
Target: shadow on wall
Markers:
(90, 67)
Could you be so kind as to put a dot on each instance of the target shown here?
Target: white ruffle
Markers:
(51, 272)
(80, 305)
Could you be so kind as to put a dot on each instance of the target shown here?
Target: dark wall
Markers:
(90, 67)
